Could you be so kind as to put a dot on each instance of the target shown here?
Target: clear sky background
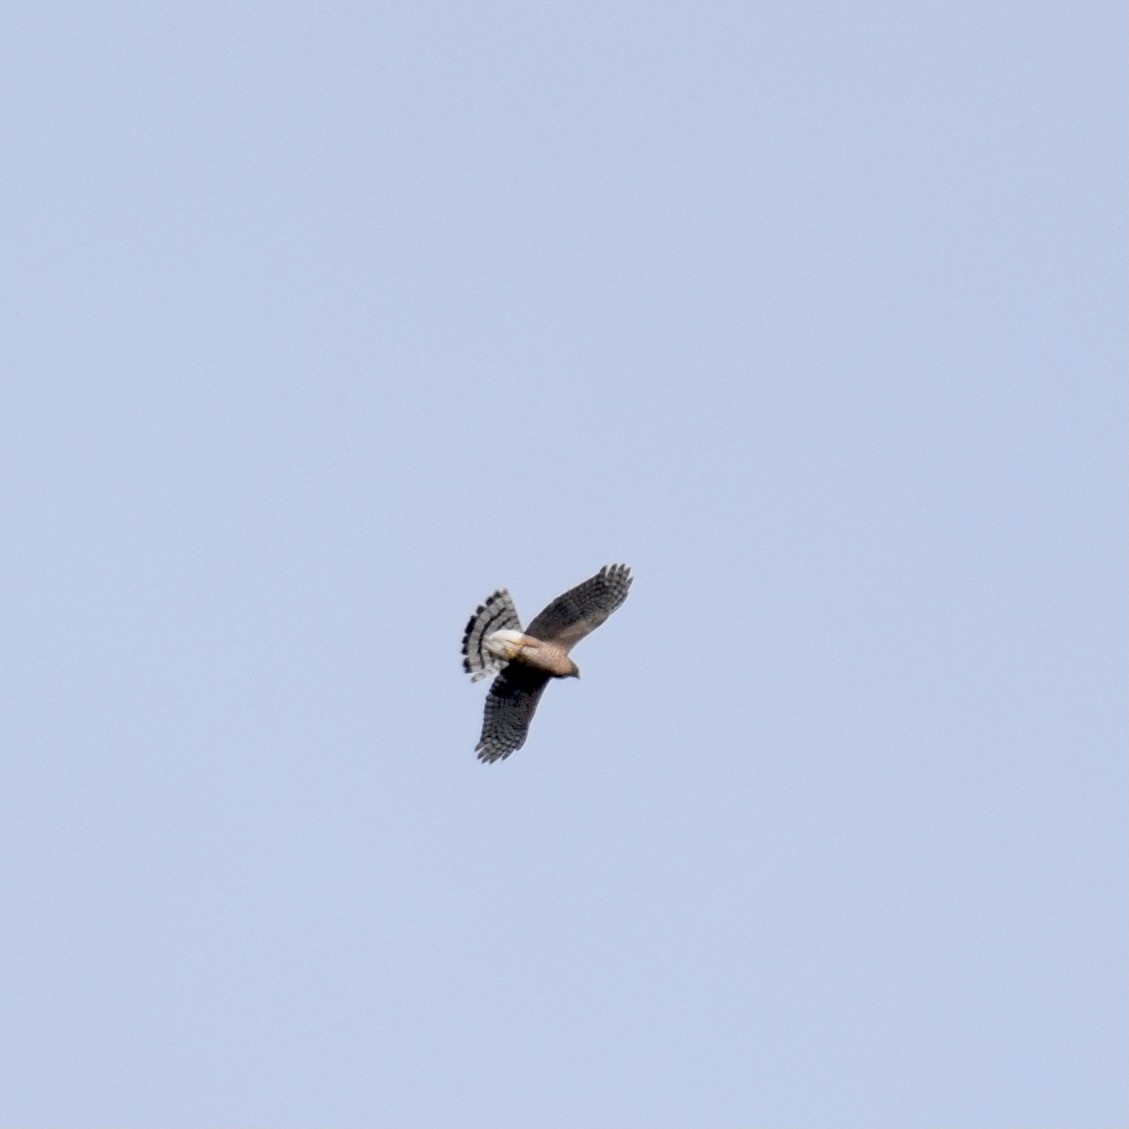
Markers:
(320, 322)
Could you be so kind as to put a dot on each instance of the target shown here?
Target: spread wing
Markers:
(510, 706)
(582, 609)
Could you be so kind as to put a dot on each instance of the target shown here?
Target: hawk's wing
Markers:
(582, 609)
(510, 706)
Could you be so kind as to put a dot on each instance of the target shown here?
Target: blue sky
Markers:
(321, 322)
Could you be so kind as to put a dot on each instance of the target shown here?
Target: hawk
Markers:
(524, 661)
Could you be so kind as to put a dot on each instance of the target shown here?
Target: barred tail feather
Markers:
(496, 614)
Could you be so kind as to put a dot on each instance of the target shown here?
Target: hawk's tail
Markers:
(496, 614)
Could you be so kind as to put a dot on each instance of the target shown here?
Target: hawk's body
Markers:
(524, 661)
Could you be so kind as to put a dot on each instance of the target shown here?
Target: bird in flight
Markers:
(524, 661)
